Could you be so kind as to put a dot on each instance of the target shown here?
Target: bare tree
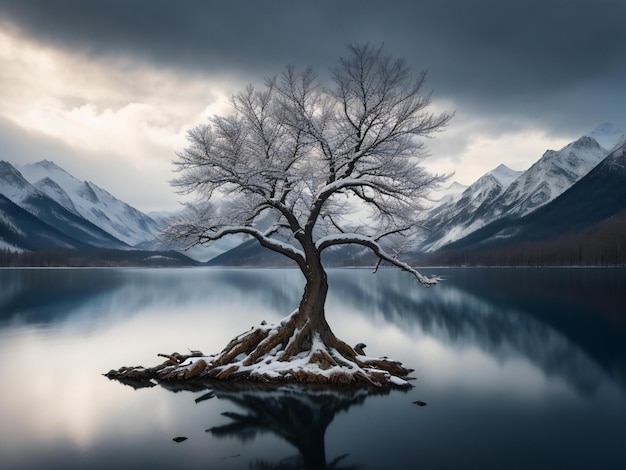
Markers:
(302, 166)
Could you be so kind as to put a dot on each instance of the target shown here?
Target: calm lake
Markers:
(519, 369)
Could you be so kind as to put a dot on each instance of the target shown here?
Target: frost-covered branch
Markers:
(355, 239)
(203, 235)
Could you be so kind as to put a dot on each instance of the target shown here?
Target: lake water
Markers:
(520, 369)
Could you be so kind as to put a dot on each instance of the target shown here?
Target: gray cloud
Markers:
(556, 62)
(19, 147)
(552, 65)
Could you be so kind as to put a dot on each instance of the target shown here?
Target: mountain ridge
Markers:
(572, 219)
(93, 203)
(21, 192)
(485, 202)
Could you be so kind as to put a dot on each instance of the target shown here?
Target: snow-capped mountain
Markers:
(62, 202)
(13, 185)
(550, 176)
(608, 136)
(91, 202)
(504, 193)
(590, 213)
(456, 217)
(15, 188)
(504, 175)
(446, 195)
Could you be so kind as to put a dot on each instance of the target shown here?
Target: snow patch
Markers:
(607, 135)
(320, 363)
(505, 175)
(7, 246)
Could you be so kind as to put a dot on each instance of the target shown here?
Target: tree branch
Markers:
(355, 239)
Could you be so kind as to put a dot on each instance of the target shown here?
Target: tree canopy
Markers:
(302, 165)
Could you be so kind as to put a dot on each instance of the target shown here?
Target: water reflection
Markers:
(44, 296)
(298, 415)
(530, 313)
(528, 361)
(568, 322)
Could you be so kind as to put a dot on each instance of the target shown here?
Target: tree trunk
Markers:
(310, 320)
(314, 297)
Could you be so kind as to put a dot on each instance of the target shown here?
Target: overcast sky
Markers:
(108, 88)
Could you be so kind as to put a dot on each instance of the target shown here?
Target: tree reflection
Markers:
(297, 414)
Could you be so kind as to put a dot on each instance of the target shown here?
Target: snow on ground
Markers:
(269, 367)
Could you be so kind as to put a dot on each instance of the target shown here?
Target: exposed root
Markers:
(292, 351)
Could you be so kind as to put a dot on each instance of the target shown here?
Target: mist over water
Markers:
(520, 368)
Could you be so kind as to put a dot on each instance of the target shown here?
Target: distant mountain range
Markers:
(60, 227)
(503, 193)
(45, 209)
(585, 224)
(573, 199)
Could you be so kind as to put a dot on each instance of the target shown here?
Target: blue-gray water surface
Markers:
(519, 369)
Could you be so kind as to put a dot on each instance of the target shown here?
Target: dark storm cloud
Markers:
(561, 62)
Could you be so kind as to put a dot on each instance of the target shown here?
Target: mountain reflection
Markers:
(43, 296)
(40, 296)
(538, 314)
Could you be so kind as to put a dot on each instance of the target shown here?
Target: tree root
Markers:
(290, 352)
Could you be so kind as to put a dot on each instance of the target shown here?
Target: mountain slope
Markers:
(20, 230)
(485, 201)
(457, 217)
(91, 202)
(550, 176)
(590, 214)
(17, 189)
(607, 135)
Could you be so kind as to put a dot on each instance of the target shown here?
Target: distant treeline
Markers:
(604, 245)
(94, 258)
